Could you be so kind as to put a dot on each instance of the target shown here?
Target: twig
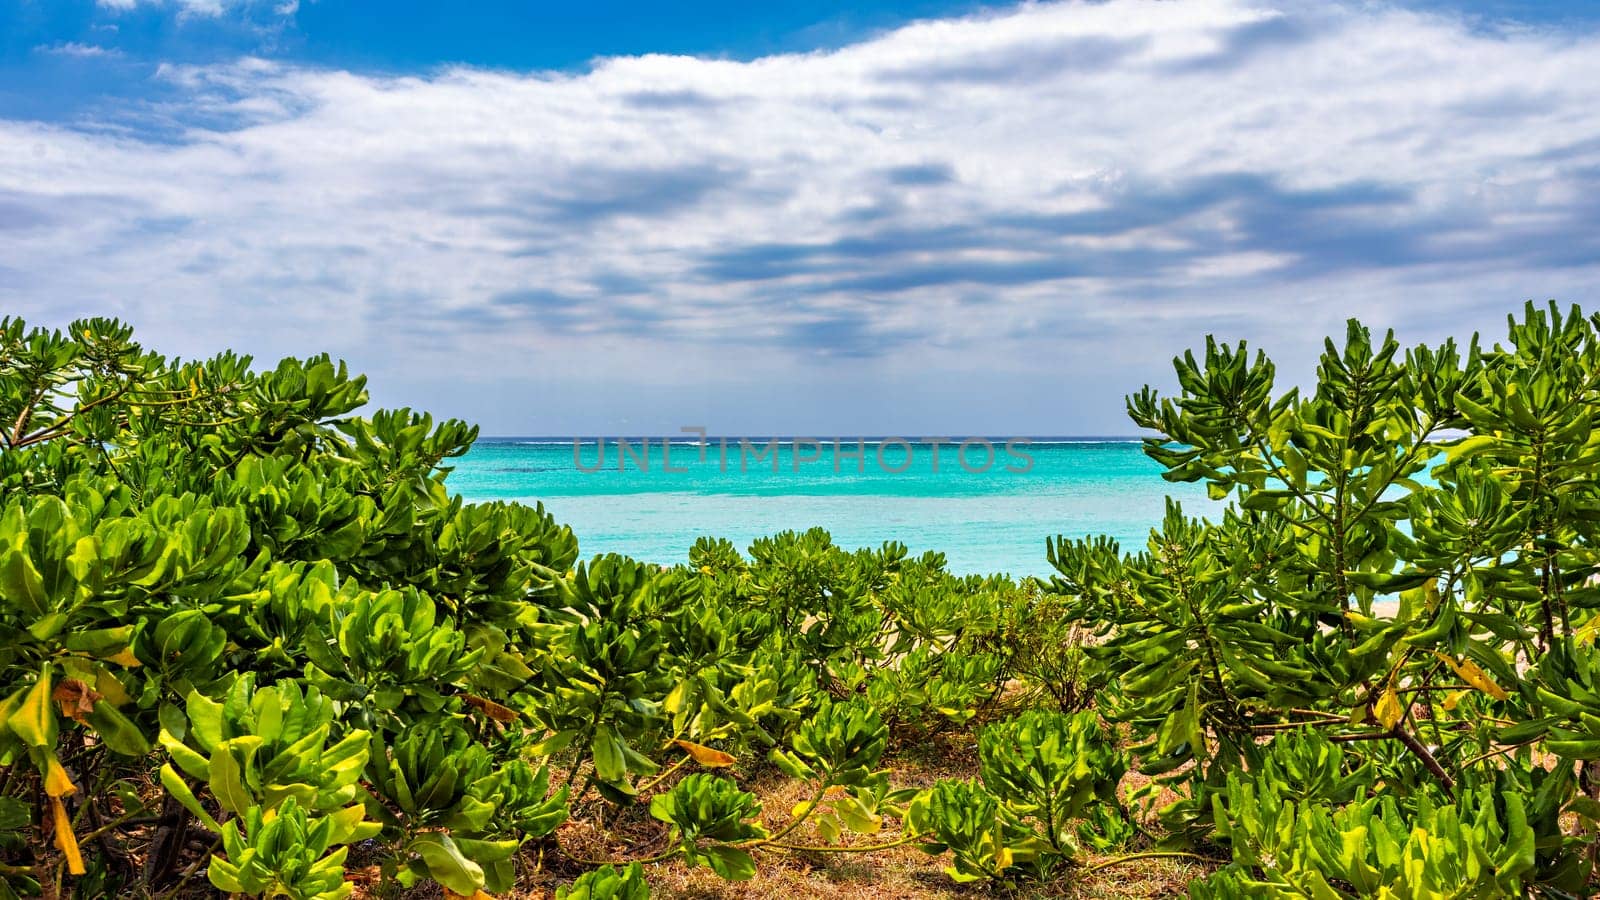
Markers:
(1361, 736)
(1493, 753)
(871, 848)
(664, 775)
(1152, 854)
(1411, 743)
(810, 808)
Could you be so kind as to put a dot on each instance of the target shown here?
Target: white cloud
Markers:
(202, 8)
(1061, 194)
(74, 48)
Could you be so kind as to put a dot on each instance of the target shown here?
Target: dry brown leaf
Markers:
(76, 698)
(491, 709)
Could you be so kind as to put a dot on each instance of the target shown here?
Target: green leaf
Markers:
(224, 876)
(1474, 445)
(205, 721)
(47, 627)
(731, 863)
(21, 583)
(446, 864)
(227, 780)
(119, 733)
(180, 791)
(791, 765)
(482, 852)
(99, 642)
(610, 762)
(191, 762)
(14, 815)
(1585, 807)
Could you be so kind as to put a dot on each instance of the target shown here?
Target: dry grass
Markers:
(599, 832)
(900, 873)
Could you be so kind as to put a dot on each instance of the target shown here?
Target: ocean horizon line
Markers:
(695, 439)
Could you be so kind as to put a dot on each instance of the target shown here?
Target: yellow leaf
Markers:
(1452, 699)
(35, 720)
(57, 783)
(1586, 633)
(707, 756)
(1475, 676)
(1388, 709)
(676, 698)
(125, 657)
(66, 841)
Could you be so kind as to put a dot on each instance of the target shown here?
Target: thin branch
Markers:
(1153, 854)
(1411, 743)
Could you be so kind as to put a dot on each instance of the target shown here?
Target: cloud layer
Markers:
(992, 223)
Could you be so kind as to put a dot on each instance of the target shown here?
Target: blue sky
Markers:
(914, 217)
(401, 36)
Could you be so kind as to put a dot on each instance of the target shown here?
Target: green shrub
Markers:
(1480, 846)
(710, 816)
(230, 603)
(984, 838)
(1049, 768)
(283, 853)
(608, 883)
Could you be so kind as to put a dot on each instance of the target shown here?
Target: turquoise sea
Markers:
(995, 519)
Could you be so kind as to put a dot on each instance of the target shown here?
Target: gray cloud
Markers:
(19, 211)
(1019, 63)
(592, 195)
(843, 335)
(1320, 229)
(672, 100)
(1241, 45)
(923, 175)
